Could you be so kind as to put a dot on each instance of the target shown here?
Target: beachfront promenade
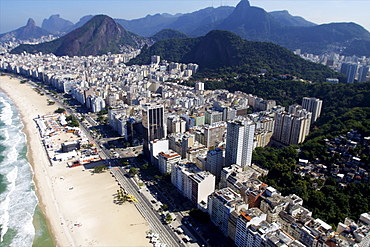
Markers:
(166, 234)
(63, 207)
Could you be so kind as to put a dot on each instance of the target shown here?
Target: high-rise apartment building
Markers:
(350, 70)
(220, 204)
(176, 124)
(239, 143)
(97, 103)
(291, 129)
(293, 109)
(362, 73)
(313, 105)
(181, 142)
(199, 86)
(251, 228)
(155, 59)
(153, 125)
(192, 182)
(212, 117)
(215, 161)
(214, 134)
(118, 121)
(300, 129)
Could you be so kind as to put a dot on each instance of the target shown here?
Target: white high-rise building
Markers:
(176, 124)
(97, 103)
(239, 143)
(155, 59)
(192, 182)
(220, 204)
(199, 86)
(156, 147)
(312, 105)
(292, 129)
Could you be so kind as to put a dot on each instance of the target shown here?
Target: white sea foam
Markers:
(18, 201)
(22, 218)
(4, 206)
(6, 112)
(5, 135)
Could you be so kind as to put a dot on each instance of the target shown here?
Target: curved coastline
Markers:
(7, 86)
(63, 208)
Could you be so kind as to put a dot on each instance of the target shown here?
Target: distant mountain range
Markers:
(193, 24)
(30, 31)
(99, 35)
(254, 23)
(218, 51)
(56, 25)
(60, 26)
(200, 22)
(287, 19)
(251, 23)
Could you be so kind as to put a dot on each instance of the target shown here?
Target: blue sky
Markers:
(15, 13)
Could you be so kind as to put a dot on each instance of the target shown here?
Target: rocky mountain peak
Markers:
(243, 5)
(99, 35)
(56, 24)
(31, 23)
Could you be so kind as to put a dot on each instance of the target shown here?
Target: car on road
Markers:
(186, 239)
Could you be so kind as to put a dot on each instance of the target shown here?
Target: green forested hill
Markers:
(168, 34)
(332, 203)
(345, 107)
(321, 38)
(287, 92)
(358, 48)
(222, 53)
(172, 50)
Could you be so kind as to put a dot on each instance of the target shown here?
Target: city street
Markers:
(144, 206)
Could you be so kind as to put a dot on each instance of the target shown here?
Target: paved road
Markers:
(167, 235)
(144, 206)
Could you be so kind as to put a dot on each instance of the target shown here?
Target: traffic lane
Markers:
(191, 232)
(194, 234)
(157, 223)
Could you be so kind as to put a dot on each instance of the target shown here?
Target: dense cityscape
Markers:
(227, 126)
(205, 139)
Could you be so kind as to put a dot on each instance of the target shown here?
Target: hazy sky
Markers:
(15, 13)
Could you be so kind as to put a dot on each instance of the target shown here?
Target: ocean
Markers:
(21, 220)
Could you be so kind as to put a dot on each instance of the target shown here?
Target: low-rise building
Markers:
(165, 160)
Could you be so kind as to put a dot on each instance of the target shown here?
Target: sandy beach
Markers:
(85, 215)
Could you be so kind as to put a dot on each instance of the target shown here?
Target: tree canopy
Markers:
(100, 168)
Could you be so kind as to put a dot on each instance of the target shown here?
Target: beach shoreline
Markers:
(30, 158)
(77, 217)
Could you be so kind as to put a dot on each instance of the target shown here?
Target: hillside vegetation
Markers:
(224, 54)
(345, 107)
